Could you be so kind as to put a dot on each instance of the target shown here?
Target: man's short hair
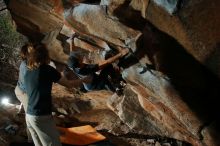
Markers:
(73, 60)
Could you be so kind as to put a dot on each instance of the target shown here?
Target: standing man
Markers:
(38, 84)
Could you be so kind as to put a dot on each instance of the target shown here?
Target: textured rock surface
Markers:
(158, 98)
(89, 18)
(35, 18)
(94, 111)
(169, 5)
(54, 46)
(195, 26)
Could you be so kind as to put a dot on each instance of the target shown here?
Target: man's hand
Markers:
(124, 52)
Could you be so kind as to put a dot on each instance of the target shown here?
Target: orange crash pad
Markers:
(82, 135)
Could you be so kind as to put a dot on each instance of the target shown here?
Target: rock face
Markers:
(34, 18)
(157, 96)
(89, 18)
(195, 26)
(172, 70)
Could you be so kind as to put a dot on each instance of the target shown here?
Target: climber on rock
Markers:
(107, 72)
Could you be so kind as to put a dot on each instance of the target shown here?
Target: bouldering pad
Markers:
(82, 135)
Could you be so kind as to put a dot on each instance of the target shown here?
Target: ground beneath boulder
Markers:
(73, 108)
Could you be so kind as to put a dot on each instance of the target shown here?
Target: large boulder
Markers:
(87, 19)
(159, 99)
(194, 24)
(35, 18)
